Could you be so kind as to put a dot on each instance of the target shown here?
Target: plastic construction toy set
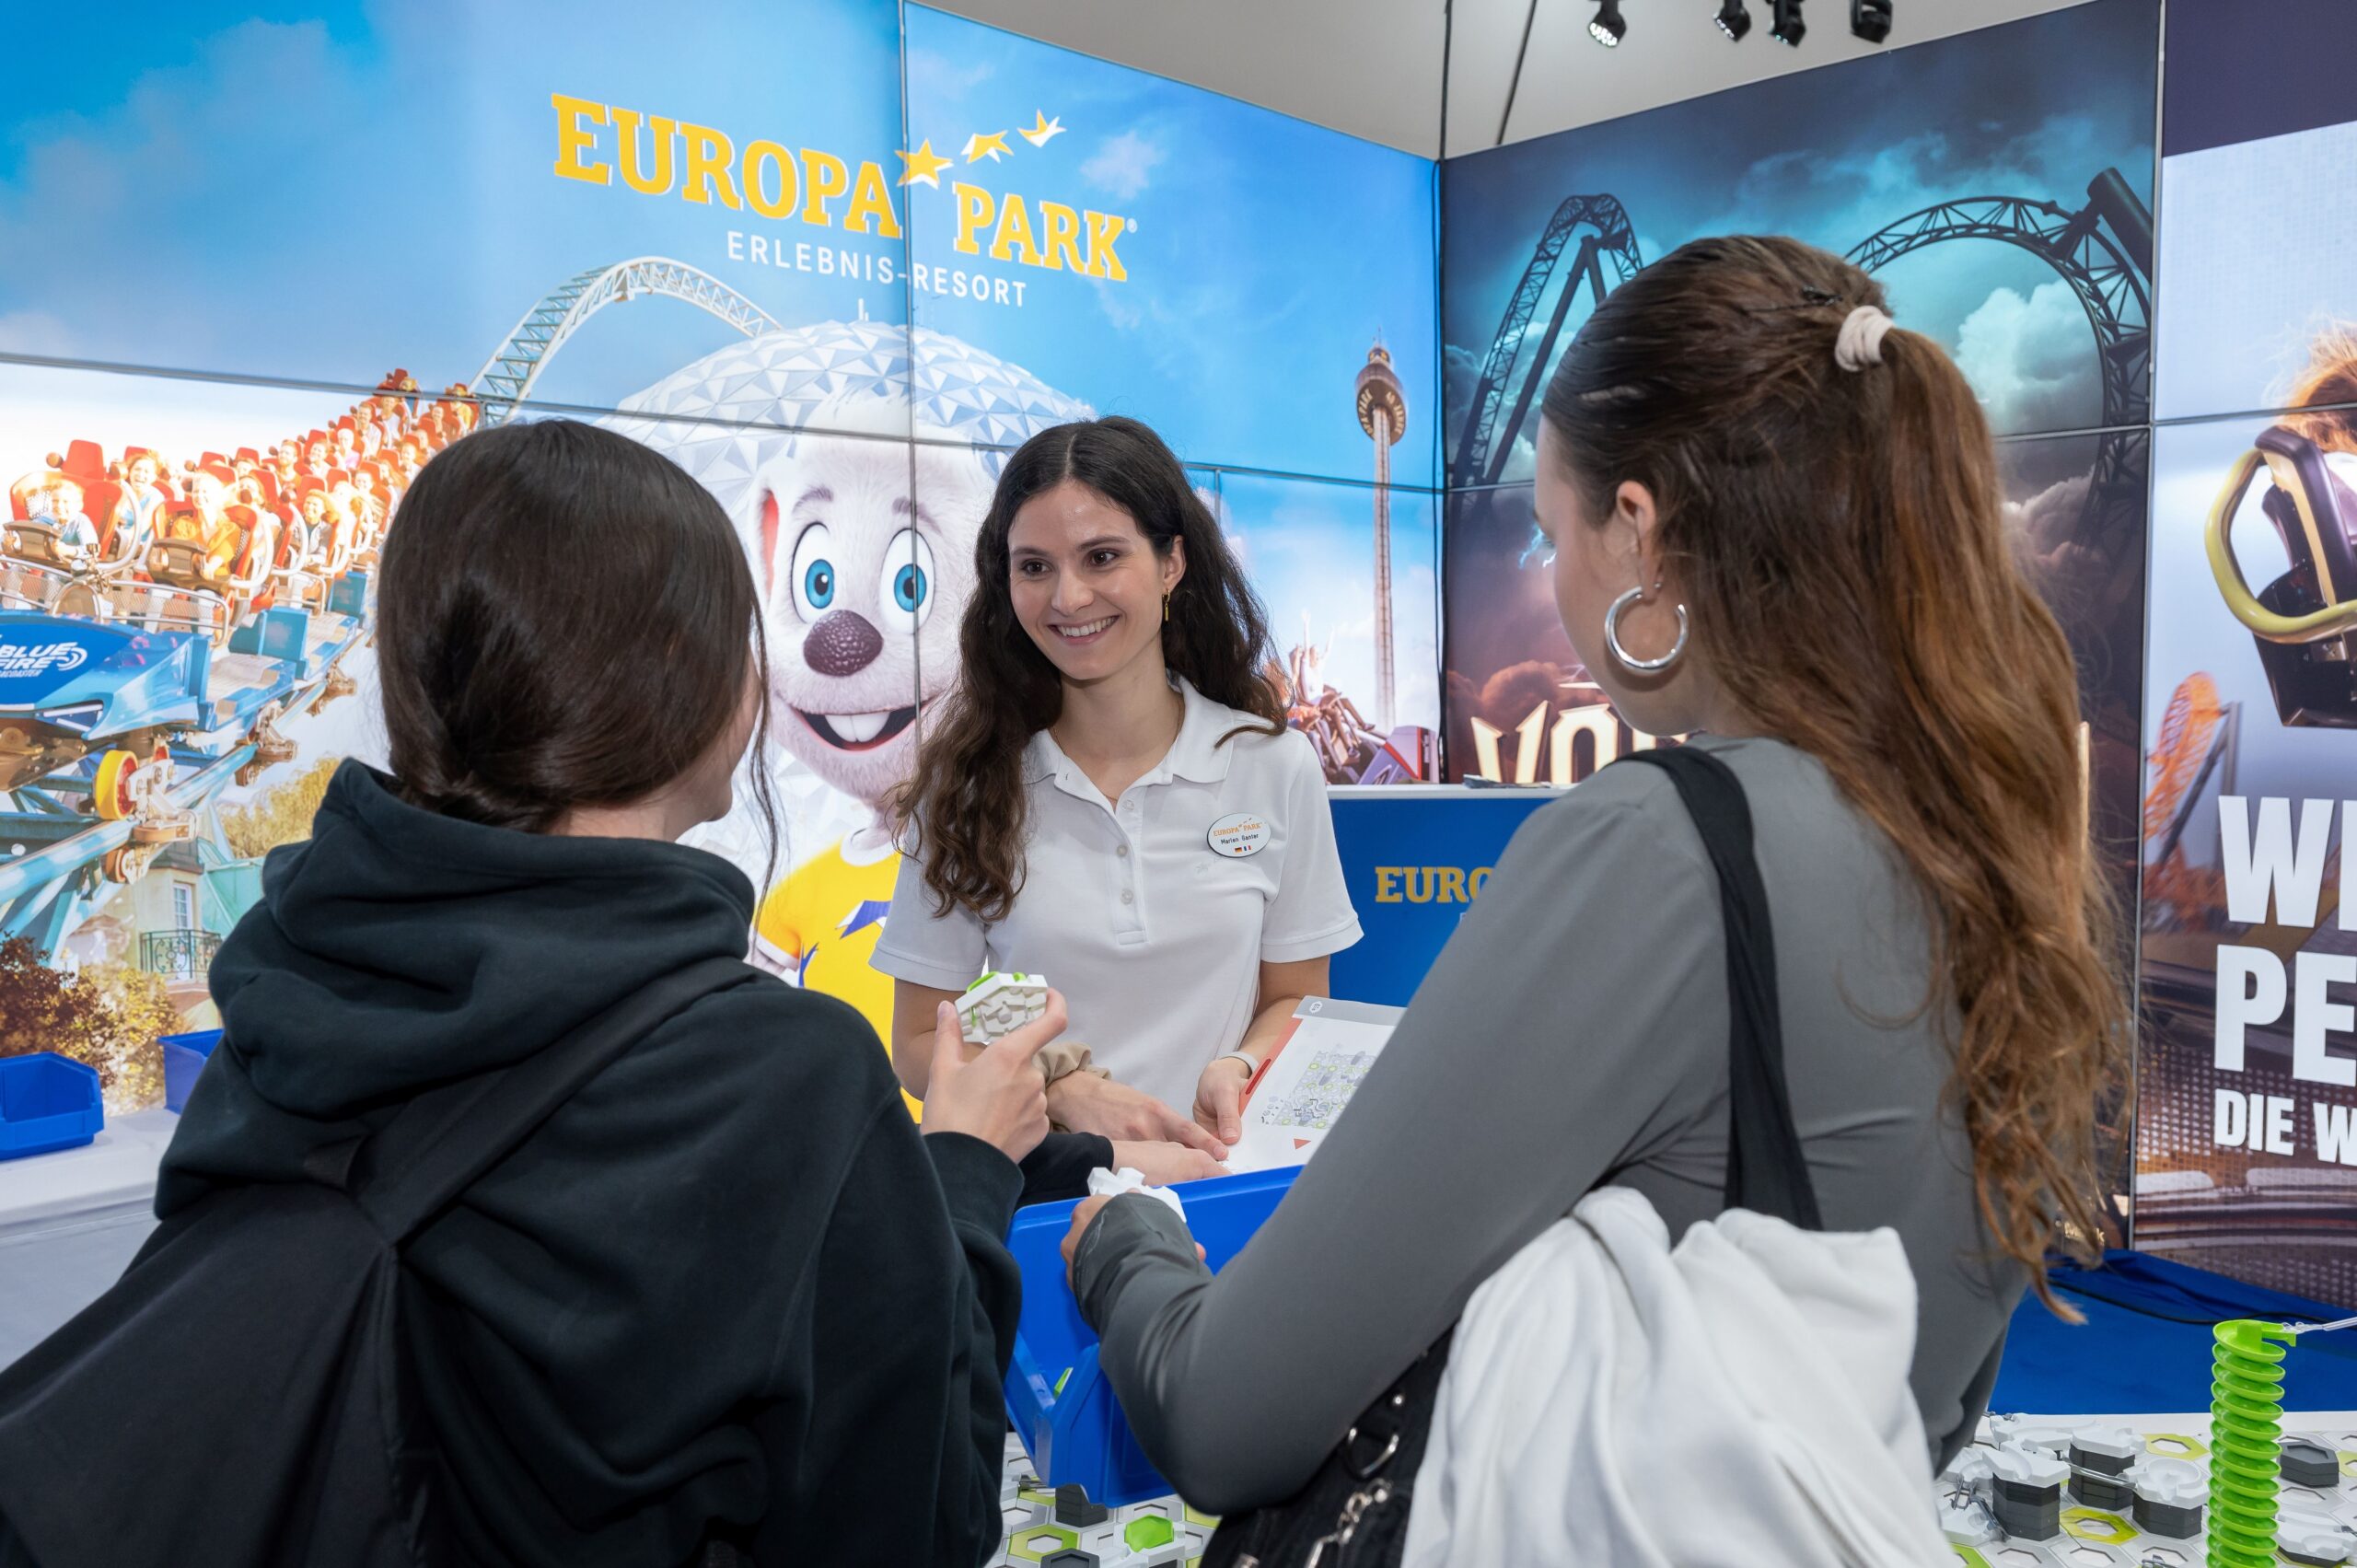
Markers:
(1060, 1528)
(2236, 1491)
(998, 1004)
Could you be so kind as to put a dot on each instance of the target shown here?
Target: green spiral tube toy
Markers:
(2246, 1447)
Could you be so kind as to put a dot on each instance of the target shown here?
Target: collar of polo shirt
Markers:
(1196, 756)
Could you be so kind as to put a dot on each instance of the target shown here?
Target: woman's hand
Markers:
(1081, 1217)
(1219, 1097)
(1086, 1103)
(1164, 1164)
(997, 1097)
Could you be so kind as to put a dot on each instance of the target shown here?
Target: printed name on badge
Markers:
(1244, 833)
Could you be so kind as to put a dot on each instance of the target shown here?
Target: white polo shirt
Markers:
(1154, 938)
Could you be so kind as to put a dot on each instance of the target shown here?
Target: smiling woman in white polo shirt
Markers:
(1112, 800)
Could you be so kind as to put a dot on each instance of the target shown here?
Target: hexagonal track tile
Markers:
(1039, 1541)
(2094, 1525)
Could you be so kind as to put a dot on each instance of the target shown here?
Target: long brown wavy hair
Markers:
(1841, 539)
(965, 807)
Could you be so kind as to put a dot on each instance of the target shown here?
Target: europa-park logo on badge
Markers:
(656, 155)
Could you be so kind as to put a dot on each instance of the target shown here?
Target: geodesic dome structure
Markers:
(767, 389)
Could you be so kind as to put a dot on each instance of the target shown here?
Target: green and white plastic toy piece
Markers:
(999, 1004)
(2246, 1431)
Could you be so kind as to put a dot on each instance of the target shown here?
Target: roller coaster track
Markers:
(46, 891)
(2109, 283)
(1481, 455)
(507, 378)
(2103, 251)
(43, 893)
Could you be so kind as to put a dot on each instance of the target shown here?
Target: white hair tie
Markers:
(1860, 344)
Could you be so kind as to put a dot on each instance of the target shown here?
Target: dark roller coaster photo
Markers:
(2103, 251)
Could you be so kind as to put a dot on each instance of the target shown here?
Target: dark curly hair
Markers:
(966, 803)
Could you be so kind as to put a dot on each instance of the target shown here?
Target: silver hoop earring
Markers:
(1612, 636)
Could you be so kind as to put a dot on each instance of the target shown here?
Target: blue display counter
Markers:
(1415, 856)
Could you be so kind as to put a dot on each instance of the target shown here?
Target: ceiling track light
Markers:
(1608, 28)
(1789, 28)
(1870, 19)
(1734, 21)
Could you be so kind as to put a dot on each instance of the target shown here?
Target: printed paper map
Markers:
(1302, 1091)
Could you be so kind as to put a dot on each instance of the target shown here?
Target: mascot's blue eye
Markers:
(904, 588)
(909, 587)
(819, 585)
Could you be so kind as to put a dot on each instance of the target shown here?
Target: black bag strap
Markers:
(1765, 1172)
(444, 1141)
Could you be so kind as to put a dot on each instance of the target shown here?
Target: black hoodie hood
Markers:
(399, 948)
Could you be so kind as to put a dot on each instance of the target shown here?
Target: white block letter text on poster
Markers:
(2250, 991)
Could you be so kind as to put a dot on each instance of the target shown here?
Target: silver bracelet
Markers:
(1250, 1067)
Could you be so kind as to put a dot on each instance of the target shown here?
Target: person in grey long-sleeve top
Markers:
(1575, 1032)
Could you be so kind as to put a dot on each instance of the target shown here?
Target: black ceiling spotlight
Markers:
(1870, 19)
(1608, 28)
(1789, 27)
(1734, 21)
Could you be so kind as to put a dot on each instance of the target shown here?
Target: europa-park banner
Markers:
(259, 272)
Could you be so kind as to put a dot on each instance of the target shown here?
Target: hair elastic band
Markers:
(1860, 344)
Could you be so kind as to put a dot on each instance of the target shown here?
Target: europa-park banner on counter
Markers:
(837, 300)
(2247, 1145)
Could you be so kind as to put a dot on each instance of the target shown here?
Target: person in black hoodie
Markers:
(729, 1291)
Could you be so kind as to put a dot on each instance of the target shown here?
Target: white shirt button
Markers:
(1123, 852)
(1128, 896)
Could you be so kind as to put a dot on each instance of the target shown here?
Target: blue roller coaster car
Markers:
(70, 686)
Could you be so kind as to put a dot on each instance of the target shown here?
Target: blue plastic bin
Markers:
(47, 1103)
(1062, 1408)
(184, 1058)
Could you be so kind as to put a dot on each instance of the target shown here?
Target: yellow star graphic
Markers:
(923, 167)
(1044, 129)
(992, 147)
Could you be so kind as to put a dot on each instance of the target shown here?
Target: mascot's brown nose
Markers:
(841, 643)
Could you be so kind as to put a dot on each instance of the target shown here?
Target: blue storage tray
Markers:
(1063, 1410)
(47, 1103)
(184, 1058)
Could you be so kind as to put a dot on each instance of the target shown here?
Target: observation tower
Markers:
(1383, 415)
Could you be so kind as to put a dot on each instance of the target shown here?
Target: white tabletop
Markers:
(116, 1168)
(70, 1221)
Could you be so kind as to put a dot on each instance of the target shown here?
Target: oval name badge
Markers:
(1244, 833)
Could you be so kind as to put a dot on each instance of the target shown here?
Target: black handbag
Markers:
(1353, 1512)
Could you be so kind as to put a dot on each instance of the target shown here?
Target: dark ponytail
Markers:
(565, 620)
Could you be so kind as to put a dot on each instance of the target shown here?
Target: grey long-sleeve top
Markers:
(1573, 1034)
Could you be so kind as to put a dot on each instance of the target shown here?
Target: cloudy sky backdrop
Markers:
(2034, 108)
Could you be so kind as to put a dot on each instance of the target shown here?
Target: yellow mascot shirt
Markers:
(824, 920)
